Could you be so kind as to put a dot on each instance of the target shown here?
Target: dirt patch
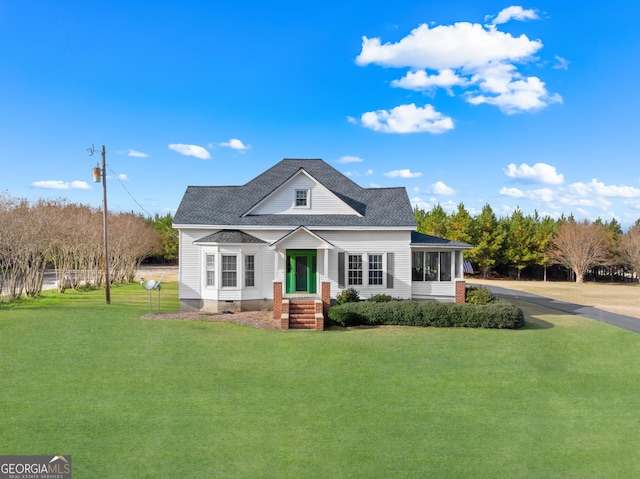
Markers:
(256, 319)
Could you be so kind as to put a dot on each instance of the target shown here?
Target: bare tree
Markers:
(131, 240)
(630, 248)
(580, 246)
(10, 286)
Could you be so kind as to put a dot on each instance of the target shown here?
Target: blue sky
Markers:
(515, 105)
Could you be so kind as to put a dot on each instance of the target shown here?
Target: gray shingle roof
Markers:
(229, 237)
(428, 240)
(225, 205)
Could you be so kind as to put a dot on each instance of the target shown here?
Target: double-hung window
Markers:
(249, 271)
(354, 272)
(375, 269)
(302, 198)
(211, 269)
(229, 271)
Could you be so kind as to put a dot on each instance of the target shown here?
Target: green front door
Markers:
(301, 271)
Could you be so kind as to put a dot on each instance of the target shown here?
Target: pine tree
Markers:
(487, 238)
(519, 245)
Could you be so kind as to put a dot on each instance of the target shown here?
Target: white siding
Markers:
(321, 200)
(433, 289)
(269, 264)
(189, 265)
(365, 242)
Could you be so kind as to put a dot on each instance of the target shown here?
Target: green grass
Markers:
(135, 398)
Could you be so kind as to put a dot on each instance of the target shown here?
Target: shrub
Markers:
(349, 295)
(346, 314)
(497, 314)
(478, 295)
(380, 298)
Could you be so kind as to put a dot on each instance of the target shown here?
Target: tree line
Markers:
(69, 238)
(512, 244)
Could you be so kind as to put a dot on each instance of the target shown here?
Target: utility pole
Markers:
(97, 172)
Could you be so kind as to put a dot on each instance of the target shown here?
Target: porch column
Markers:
(277, 299)
(460, 291)
(326, 264)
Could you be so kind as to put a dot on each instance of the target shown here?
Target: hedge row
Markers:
(495, 315)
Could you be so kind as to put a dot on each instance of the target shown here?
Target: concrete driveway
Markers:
(619, 320)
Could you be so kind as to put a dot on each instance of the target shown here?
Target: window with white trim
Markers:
(302, 199)
(229, 271)
(210, 268)
(249, 271)
(375, 270)
(354, 270)
(431, 266)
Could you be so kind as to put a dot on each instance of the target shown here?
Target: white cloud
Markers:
(352, 120)
(421, 80)
(561, 63)
(79, 185)
(481, 59)
(542, 195)
(538, 173)
(512, 192)
(402, 174)
(513, 96)
(61, 185)
(599, 189)
(595, 201)
(235, 144)
(407, 119)
(439, 188)
(416, 201)
(515, 13)
(633, 204)
(136, 154)
(463, 45)
(350, 159)
(190, 150)
(123, 176)
(369, 172)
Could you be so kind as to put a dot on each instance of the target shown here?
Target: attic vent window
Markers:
(302, 198)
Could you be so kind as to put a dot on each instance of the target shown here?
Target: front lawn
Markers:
(135, 398)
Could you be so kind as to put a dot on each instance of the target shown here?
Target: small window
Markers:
(249, 271)
(211, 269)
(354, 275)
(375, 269)
(302, 198)
(229, 271)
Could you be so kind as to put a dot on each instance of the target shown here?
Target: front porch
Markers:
(301, 310)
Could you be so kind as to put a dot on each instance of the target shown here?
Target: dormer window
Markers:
(302, 199)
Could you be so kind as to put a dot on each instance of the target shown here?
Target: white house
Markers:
(302, 229)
